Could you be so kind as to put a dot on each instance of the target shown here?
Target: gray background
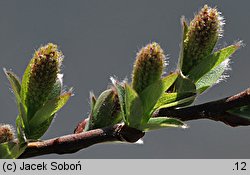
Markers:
(99, 40)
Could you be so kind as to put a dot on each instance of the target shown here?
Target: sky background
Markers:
(100, 39)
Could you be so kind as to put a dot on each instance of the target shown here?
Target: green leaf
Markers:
(11, 150)
(38, 132)
(243, 112)
(47, 111)
(25, 81)
(210, 78)
(121, 95)
(133, 106)
(106, 111)
(182, 93)
(184, 85)
(20, 130)
(174, 100)
(14, 82)
(21, 120)
(162, 122)
(152, 93)
(57, 88)
(50, 108)
(184, 35)
(92, 99)
(211, 62)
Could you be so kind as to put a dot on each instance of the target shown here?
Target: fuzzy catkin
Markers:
(204, 31)
(148, 67)
(6, 133)
(44, 69)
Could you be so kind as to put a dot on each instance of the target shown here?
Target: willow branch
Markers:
(75, 142)
(215, 110)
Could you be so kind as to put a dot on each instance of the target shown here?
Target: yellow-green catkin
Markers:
(204, 32)
(148, 66)
(42, 76)
(6, 133)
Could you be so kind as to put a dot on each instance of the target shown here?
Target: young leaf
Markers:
(121, 95)
(49, 109)
(21, 130)
(133, 107)
(38, 131)
(14, 82)
(184, 35)
(183, 85)
(92, 99)
(212, 61)
(57, 88)
(21, 120)
(16, 87)
(210, 78)
(174, 99)
(45, 116)
(152, 93)
(24, 85)
(106, 111)
(162, 122)
(183, 92)
(11, 150)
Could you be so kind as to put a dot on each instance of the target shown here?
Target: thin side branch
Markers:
(216, 110)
